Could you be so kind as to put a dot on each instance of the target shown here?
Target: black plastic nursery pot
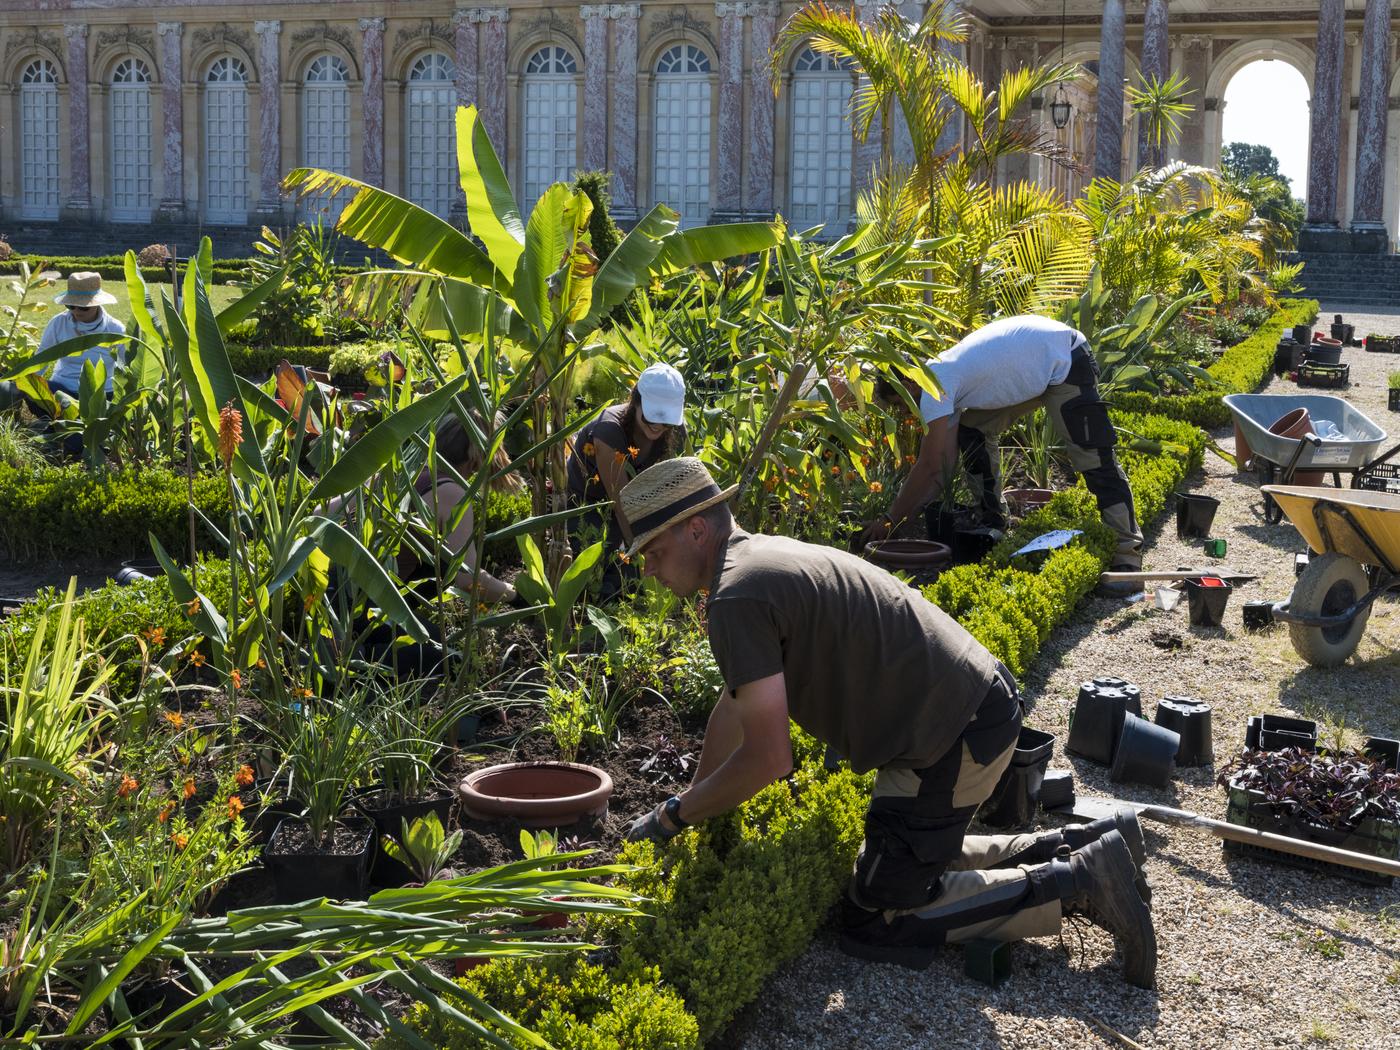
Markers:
(1206, 599)
(1013, 800)
(1057, 790)
(1382, 749)
(388, 820)
(300, 872)
(1323, 354)
(1373, 836)
(1393, 399)
(1276, 732)
(1098, 717)
(1190, 719)
(1302, 333)
(1145, 754)
(1258, 615)
(1194, 515)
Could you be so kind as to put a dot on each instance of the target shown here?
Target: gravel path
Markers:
(1250, 954)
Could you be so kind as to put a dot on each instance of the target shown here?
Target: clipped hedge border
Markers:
(113, 267)
(1240, 370)
(744, 893)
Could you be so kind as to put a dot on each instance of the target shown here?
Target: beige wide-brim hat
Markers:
(85, 289)
(666, 493)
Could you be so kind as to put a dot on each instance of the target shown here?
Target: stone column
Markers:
(270, 115)
(1346, 124)
(172, 196)
(1017, 52)
(729, 184)
(372, 59)
(901, 144)
(1156, 59)
(79, 204)
(869, 152)
(1367, 214)
(952, 132)
(1325, 130)
(595, 85)
(763, 28)
(464, 46)
(493, 73)
(1108, 149)
(1195, 67)
(623, 91)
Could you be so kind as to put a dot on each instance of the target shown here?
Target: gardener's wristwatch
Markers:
(672, 806)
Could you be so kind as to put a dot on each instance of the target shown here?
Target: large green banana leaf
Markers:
(491, 207)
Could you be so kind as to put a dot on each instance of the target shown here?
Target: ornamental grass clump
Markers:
(1336, 789)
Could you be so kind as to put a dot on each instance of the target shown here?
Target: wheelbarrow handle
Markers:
(1307, 439)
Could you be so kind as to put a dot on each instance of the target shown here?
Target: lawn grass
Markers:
(221, 295)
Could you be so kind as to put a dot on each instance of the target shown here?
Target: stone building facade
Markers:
(191, 112)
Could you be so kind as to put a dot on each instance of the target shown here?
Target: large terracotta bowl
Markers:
(916, 556)
(537, 794)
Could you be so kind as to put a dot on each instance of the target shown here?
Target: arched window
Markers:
(38, 123)
(432, 134)
(820, 171)
(131, 141)
(550, 121)
(226, 141)
(325, 129)
(682, 107)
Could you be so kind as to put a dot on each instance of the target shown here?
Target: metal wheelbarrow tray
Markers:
(1255, 413)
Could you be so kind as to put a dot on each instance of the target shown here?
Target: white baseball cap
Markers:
(663, 394)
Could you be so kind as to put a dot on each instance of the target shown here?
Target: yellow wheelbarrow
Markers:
(1356, 536)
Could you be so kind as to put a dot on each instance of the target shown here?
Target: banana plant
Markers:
(556, 601)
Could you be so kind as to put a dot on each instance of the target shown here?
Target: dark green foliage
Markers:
(573, 1004)
(68, 513)
(113, 267)
(502, 509)
(1239, 371)
(605, 234)
(1242, 159)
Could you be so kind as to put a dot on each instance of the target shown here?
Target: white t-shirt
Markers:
(1005, 363)
(68, 372)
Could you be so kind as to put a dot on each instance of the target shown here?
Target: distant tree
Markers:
(1242, 159)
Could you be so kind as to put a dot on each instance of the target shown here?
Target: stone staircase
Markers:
(1343, 278)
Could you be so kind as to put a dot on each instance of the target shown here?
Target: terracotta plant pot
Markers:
(1294, 425)
(1023, 501)
(537, 794)
(921, 557)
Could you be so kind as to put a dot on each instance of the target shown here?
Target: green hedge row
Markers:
(113, 267)
(743, 894)
(1239, 371)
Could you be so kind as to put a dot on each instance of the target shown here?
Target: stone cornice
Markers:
(371, 25)
(270, 26)
(73, 30)
(168, 28)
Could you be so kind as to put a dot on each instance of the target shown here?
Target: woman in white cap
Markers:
(84, 315)
(624, 440)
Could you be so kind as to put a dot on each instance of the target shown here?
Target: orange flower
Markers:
(595, 477)
(303, 693)
(192, 607)
(154, 635)
(911, 459)
(588, 448)
(633, 451)
(180, 840)
(235, 807)
(197, 658)
(623, 556)
(189, 787)
(835, 472)
(876, 486)
(619, 458)
(309, 602)
(230, 432)
(262, 664)
(128, 785)
(175, 718)
(236, 677)
(165, 812)
(244, 776)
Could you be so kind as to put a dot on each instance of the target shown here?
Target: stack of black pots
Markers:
(1108, 728)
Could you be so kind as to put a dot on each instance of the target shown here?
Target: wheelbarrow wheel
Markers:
(1331, 583)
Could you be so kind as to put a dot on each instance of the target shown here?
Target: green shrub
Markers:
(260, 360)
(1239, 371)
(573, 1004)
(66, 513)
(502, 509)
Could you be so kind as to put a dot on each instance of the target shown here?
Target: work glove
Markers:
(652, 826)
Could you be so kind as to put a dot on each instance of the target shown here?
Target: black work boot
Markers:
(866, 934)
(1102, 875)
(1077, 836)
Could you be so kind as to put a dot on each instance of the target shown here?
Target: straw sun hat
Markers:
(666, 493)
(85, 289)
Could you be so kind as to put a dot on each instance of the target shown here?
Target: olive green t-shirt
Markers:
(872, 667)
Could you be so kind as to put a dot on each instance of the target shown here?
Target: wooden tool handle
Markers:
(1283, 843)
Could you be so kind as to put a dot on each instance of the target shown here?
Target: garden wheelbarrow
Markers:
(1356, 536)
(1278, 457)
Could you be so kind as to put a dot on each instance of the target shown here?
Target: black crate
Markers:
(1383, 344)
(1373, 836)
(1383, 477)
(1329, 376)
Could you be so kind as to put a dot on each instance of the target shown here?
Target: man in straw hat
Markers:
(868, 666)
(83, 315)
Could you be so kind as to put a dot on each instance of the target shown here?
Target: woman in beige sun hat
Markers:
(84, 300)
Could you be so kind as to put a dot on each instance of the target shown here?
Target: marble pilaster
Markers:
(80, 180)
(729, 183)
(1108, 148)
(1017, 52)
(1156, 61)
(269, 114)
(595, 85)
(172, 77)
(870, 150)
(372, 59)
(1325, 130)
(464, 54)
(1195, 67)
(1369, 196)
(763, 29)
(1346, 123)
(494, 59)
(901, 143)
(623, 147)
